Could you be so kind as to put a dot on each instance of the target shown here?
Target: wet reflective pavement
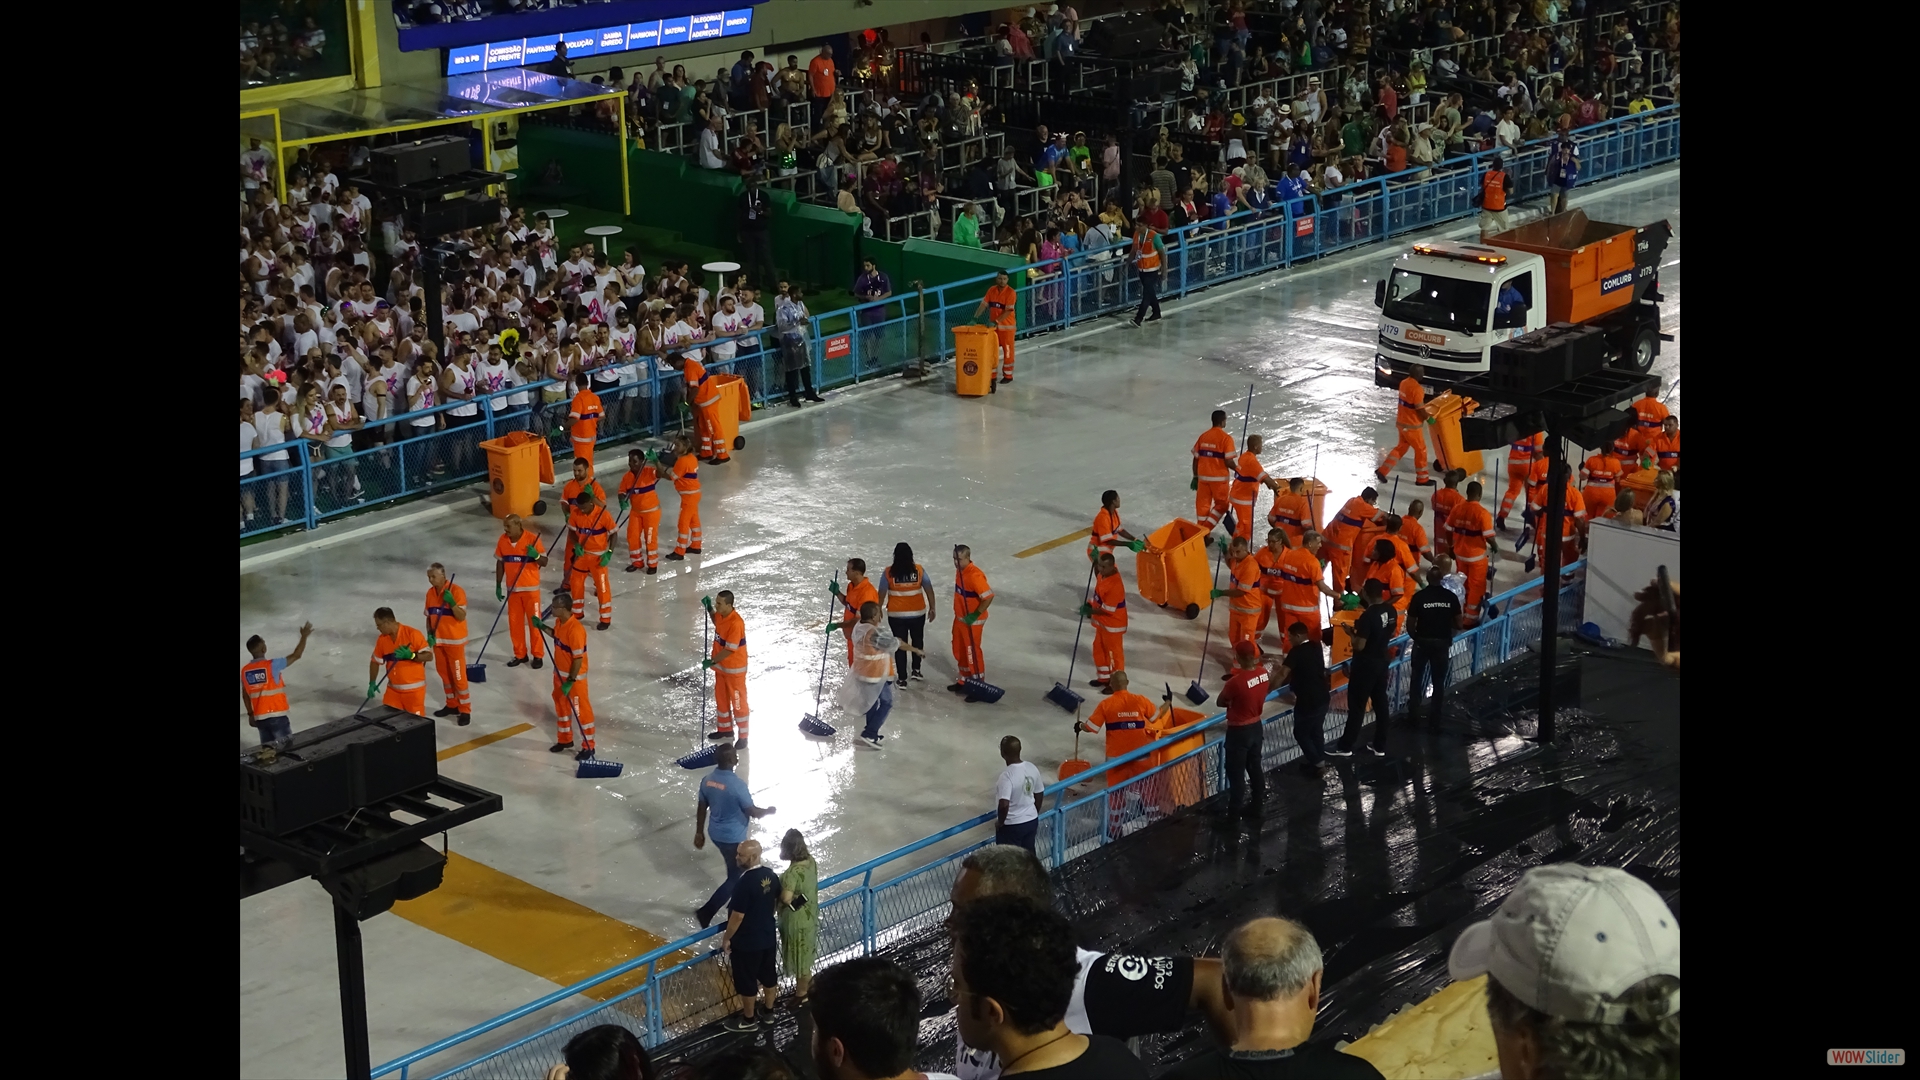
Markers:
(1096, 407)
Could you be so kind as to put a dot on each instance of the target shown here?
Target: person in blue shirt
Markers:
(1509, 301)
(872, 285)
(1563, 167)
(725, 797)
(741, 81)
(1218, 205)
(1294, 190)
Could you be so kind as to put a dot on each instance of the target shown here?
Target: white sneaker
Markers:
(865, 741)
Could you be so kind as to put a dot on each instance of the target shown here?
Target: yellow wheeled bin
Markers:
(517, 464)
(736, 406)
(1173, 571)
(1185, 783)
(1342, 647)
(1446, 411)
(975, 351)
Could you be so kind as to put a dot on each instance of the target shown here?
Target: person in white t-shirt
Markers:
(725, 323)
(1019, 790)
(423, 393)
(633, 279)
(270, 429)
(342, 421)
(249, 439)
(753, 317)
(495, 375)
(460, 385)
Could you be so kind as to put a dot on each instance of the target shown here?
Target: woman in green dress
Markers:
(799, 913)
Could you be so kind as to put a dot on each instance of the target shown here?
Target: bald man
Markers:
(1270, 979)
(749, 938)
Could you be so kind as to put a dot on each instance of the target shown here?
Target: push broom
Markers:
(810, 723)
(477, 670)
(709, 755)
(1062, 693)
(979, 689)
(1075, 765)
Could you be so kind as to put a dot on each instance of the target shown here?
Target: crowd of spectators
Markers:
(286, 41)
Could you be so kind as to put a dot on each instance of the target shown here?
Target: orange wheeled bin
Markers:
(1342, 646)
(736, 406)
(1317, 501)
(1172, 570)
(1186, 782)
(976, 350)
(1447, 409)
(517, 464)
(1640, 482)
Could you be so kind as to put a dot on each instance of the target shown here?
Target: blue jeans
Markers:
(1021, 835)
(275, 729)
(878, 714)
(725, 892)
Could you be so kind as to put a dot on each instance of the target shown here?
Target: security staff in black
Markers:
(1433, 617)
(1305, 673)
(1367, 672)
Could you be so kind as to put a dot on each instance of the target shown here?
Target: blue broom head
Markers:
(595, 769)
(476, 673)
(1196, 693)
(979, 689)
(704, 758)
(814, 726)
(1065, 698)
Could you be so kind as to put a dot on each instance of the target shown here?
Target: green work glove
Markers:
(624, 501)
(1194, 484)
(1086, 609)
(1430, 419)
(970, 618)
(373, 687)
(653, 455)
(567, 687)
(533, 550)
(578, 551)
(834, 627)
(499, 592)
(1215, 594)
(707, 602)
(446, 597)
(606, 557)
(707, 663)
(834, 587)
(1136, 545)
(404, 652)
(540, 624)
(1350, 602)
(684, 407)
(431, 641)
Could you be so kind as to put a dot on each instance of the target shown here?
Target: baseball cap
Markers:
(1569, 938)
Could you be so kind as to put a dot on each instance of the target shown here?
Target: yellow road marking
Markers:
(529, 927)
(484, 740)
(1051, 544)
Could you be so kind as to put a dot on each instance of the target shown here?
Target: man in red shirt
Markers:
(1245, 697)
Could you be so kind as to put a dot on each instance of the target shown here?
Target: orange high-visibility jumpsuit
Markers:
(855, 594)
(522, 568)
(1444, 501)
(1105, 532)
(1244, 492)
(585, 415)
(1648, 416)
(1341, 534)
(1269, 562)
(704, 393)
(1601, 472)
(1520, 455)
(970, 589)
(1247, 611)
(643, 515)
(572, 488)
(686, 481)
(406, 679)
(1363, 543)
(449, 644)
(1398, 594)
(1109, 625)
(1664, 449)
(1470, 527)
(592, 538)
(1414, 535)
(1211, 451)
(1291, 513)
(1131, 722)
(1412, 426)
(730, 675)
(569, 642)
(1299, 593)
(1002, 305)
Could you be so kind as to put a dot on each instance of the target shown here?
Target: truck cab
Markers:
(1445, 304)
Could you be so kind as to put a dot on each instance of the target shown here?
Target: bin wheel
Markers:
(539, 507)
(739, 441)
(1193, 611)
(1163, 605)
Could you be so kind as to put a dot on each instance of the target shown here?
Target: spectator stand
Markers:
(467, 105)
(679, 987)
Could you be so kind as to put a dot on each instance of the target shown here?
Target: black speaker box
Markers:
(454, 215)
(1546, 358)
(337, 768)
(1495, 427)
(371, 888)
(1596, 431)
(420, 162)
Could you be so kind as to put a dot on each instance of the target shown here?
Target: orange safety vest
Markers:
(266, 692)
(1493, 191)
(1145, 254)
(906, 598)
(686, 475)
(870, 667)
(730, 632)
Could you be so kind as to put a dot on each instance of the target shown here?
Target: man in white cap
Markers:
(1583, 976)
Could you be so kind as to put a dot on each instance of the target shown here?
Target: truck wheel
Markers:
(1639, 353)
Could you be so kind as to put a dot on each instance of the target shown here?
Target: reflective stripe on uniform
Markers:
(422, 685)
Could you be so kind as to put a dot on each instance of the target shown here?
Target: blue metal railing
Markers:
(1083, 285)
(869, 915)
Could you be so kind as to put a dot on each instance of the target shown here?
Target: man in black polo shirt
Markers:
(1305, 673)
(749, 938)
(1367, 672)
(1433, 617)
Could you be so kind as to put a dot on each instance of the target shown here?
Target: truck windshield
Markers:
(1441, 302)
